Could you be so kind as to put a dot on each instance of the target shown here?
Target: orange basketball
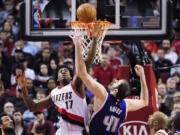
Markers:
(86, 13)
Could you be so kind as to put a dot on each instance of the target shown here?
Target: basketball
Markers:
(86, 13)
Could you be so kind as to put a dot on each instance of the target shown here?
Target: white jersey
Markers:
(72, 108)
(162, 131)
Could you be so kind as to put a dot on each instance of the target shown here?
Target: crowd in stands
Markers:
(40, 61)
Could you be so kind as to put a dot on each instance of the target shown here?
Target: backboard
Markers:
(132, 19)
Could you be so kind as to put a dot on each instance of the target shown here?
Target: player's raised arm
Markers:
(96, 88)
(32, 106)
(133, 104)
(77, 82)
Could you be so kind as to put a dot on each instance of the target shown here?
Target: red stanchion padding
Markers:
(136, 122)
(123, 72)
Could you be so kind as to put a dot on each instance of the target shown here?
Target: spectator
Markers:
(6, 124)
(29, 48)
(18, 122)
(3, 98)
(7, 27)
(162, 62)
(114, 62)
(176, 124)
(53, 114)
(39, 96)
(17, 67)
(104, 73)
(176, 108)
(16, 58)
(42, 77)
(68, 50)
(8, 108)
(45, 58)
(51, 85)
(171, 86)
(14, 24)
(169, 54)
(28, 118)
(176, 75)
(158, 122)
(69, 62)
(40, 125)
(53, 67)
(19, 45)
(9, 6)
(176, 97)
(150, 46)
(7, 44)
(61, 58)
(165, 102)
(30, 87)
(18, 100)
(29, 73)
(46, 45)
(176, 42)
(16, 63)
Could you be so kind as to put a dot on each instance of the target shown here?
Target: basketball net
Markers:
(84, 29)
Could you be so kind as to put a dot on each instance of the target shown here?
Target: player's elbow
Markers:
(32, 107)
(146, 102)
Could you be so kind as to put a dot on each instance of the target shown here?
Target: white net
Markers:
(83, 29)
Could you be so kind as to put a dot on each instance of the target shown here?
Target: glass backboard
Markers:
(132, 19)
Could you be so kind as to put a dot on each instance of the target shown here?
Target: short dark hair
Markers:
(18, 66)
(70, 70)
(2, 115)
(122, 90)
(17, 110)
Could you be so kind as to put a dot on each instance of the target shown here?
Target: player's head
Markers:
(65, 74)
(157, 121)
(121, 89)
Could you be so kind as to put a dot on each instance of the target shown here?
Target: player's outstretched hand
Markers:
(20, 77)
(96, 29)
(76, 38)
(139, 70)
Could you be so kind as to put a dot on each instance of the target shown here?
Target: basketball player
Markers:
(158, 123)
(110, 110)
(69, 97)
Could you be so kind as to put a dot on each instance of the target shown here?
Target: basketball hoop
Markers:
(85, 31)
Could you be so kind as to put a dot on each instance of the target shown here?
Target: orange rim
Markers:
(87, 26)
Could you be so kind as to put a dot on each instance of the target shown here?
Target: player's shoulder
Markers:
(57, 88)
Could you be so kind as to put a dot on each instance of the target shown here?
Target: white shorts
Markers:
(62, 131)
